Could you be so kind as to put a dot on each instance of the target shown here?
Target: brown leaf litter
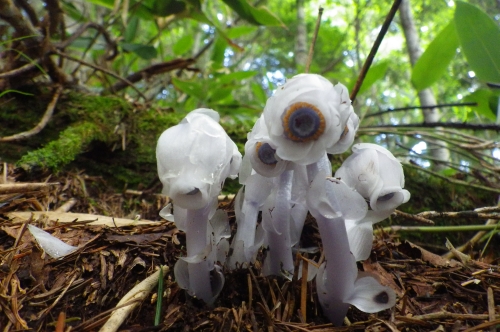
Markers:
(117, 249)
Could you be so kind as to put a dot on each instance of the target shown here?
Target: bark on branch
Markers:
(456, 125)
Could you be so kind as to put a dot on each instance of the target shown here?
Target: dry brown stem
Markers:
(43, 122)
(11, 188)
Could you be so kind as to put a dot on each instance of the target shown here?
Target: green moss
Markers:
(62, 151)
(87, 118)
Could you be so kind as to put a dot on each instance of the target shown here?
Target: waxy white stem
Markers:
(340, 268)
(280, 252)
(196, 242)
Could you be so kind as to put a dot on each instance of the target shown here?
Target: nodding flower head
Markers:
(308, 116)
(262, 152)
(303, 122)
(194, 158)
(376, 175)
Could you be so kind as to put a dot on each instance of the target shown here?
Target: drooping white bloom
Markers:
(261, 151)
(308, 116)
(378, 177)
(194, 158)
(338, 282)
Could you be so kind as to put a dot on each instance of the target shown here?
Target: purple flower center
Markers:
(303, 122)
(266, 153)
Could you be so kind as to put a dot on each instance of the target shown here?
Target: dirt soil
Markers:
(79, 291)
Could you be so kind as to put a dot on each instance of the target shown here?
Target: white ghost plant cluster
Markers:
(306, 118)
(338, 282)
(286, 174)
(374, 173)
(194, 158)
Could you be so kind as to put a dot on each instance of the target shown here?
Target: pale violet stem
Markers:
(280, 251)
(246, 227)
(312, 171)
(324, 165)
(196, 242)
(340, 268)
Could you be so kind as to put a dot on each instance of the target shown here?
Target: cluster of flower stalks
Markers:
(286, 174)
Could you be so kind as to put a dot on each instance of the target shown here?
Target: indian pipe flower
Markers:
(261, 151)
(338, 282)
(378, 177)
(194, 158)
(307, 116)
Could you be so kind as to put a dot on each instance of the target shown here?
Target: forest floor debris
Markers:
(122, 241)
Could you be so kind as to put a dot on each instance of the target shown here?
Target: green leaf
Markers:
(15, 91)
(199, 16)
(479, 37)
(236, 76)
(168, 7)
(141, 11)
(436, 58)
(257, 16)
(240, 31)
(375, 73)
(183, 45)
(146, 52)
(131, 29)
(159, 299)
(448, 172)
(258, 93)
(191, 88)
(486, 102)
(73, 12)
(110, 4)
(218, 94)
(218, 53)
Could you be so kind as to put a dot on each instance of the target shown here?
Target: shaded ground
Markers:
(433, 293)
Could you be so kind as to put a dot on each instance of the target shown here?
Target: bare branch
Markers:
(150, 71)
(20, 70)
(456, 125)
(69, 57)
(373, 51)
(11, 14)
(398, 109)
(81, 30)
(313, 42)
(29, 11)
(45, 119)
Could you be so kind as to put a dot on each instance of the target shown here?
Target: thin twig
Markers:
(414, 217)
(373, 51)
(491, 308)
(470, 243)
(449, 315)
(459, 214)
(45, 119)
(138, 292)
(74, 36)
(399, 109)
(20, 70)
(436, 229)
(11, 188)
(69, 57)
(313, 42)
(46, 311)
(455, 181)
(456, 125)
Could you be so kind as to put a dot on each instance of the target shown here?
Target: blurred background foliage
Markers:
(168, 57)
